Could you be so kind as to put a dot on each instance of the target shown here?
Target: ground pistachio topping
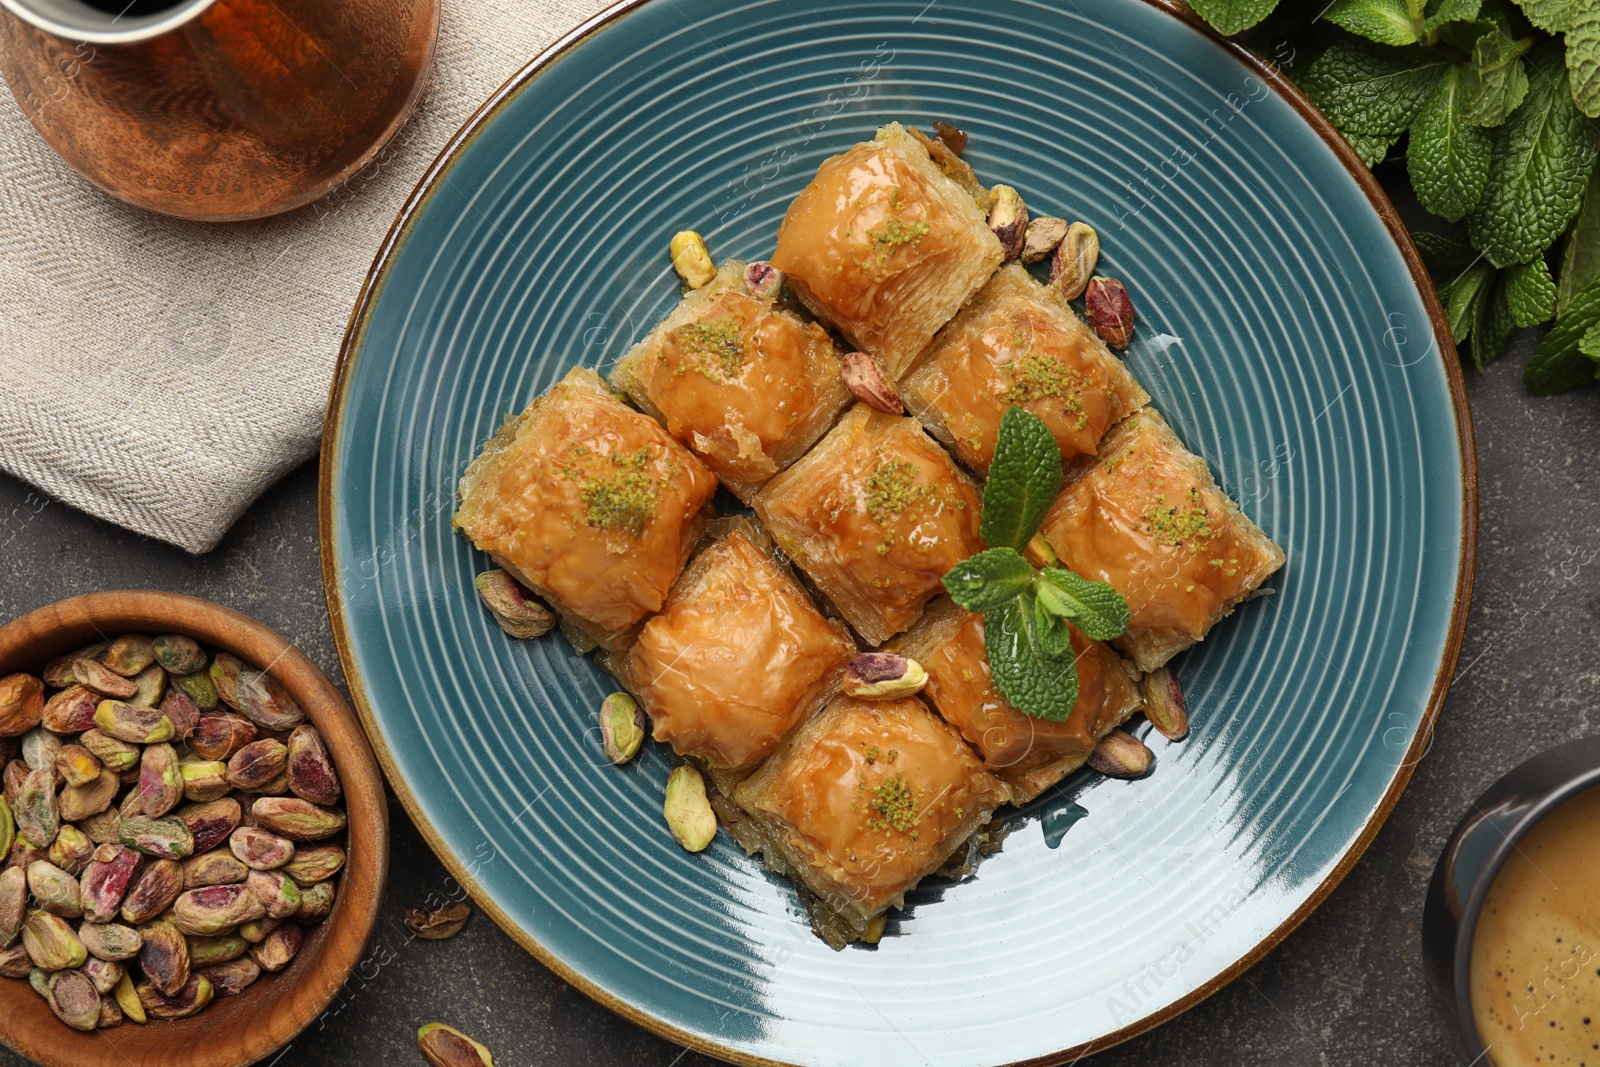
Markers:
(714, 347)
(1039, 376)
(1171, 525)
(623, 497)
(896, 805)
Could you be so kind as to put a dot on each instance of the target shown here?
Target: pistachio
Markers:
(178, 654)
(110, 1013)
(445, 1046)
(130, 654)
(152, 683)
(213, 868)
(51, 942)
(13, 904)
(256, 931)
(116, 754)
(296, 819)
(1164, 704)
(1008, 218)
(70, 711)
(1075, 257)
(622, 727)
(160, 783)
(192, 998)
(101, 827)
(867, 382)
(39, 981)
(266, 703)
(204, 780)
(208, 951)
(277, 891)
(874, 931)
(233, 977)
(22, 854)
(316, 903)
(255, 765)
(103, 680)
(279, 947)
(199, 688)
(132, 723)
(688, 811)
(127, 999)
(165, 837)
(105, 881)
(71, 851)
(315, 863)
(8, 828)
(104, 974)
(39, 748)
(55, 890)
(883, 676)
(16, 773)
(260, 850)
(21, 704)
(311, 773)
(215, 909)
(436, 924)
(220, 734)
(1110, 311)
(58, 672)
(164, 956)
(1120, 755)
(79, 803)
(763, 279)
(183, 712)
(512, 605)
(1039, 552)
(210, 823)
(276, 788)
(225, 670)
(691, 259)
(15, 962)
(1043, 235)
(37, 814)
(110, 941)
(74, 1000)
(153, 893)
(77, 765)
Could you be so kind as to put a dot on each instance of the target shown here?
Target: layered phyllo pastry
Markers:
(736, 659)
(861, 803)
(885, 246)
(1019, 343)
(738, 378)
(1148, 519)
(589, 503)
(1030, 755)
(875, 515)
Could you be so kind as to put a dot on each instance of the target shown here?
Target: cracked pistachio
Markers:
(296, 819)
(39, 748)
(266, 703)
(1110, 311)
(36, 810)
(178, 654)
(193, 997)
(104, 974)
(73, 999)
(71, 850)
(622, 727)
(513, 606)
(204, 780)
(233, 977)
(127, 999)
(105, 881)
(183, 712)
(21, 704)
(153, 892)
(445, 1046)
(130, 654)
(55, 890)
(103, 680)
(51, 942)
(311, 772)
(164, 957)
(70, 711)
(1120, 755)
(278, 948)
(165, 837)
(80, 803)
(883, 676)
(77, 765)
(213, 868)
(315, 863)
(216, 909)
(199, 688)
(258, 764)
(132, 723)
(13, 904)
(260, 849)
(152, 683)
(110, 941)
(691, 259)
(763, 279)
(15, 962)
(687, 809)
(208, 951)
(160, 783)
(58, 672)
(316, 903)
(1164, 704)
(277, 892)
(116, 754)
(867, 383)
(1074, 260)
(219, 734)
(437, 924)
(1008, 219)
(210, 823)
(1043, 235)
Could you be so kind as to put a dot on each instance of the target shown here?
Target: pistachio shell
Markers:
(74, 1000)
(21, 704)
(178, 654)
(130, 654)
(311, 772)
(234, 977)
(70, 711)
(164, 957)
(110, 941)
(127, 999)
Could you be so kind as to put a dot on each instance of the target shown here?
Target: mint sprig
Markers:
(1027, 611)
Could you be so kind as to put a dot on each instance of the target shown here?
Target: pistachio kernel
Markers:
(1164, 704)
(513, 606)
(1110, 311)
(437, 924)
(867, 383)
(622, 727)
(688, 811)
(883, 676)
(691, 259)
(1075, 257)
(1043, 235)
(1120, 755)
(1008, 218)
(445, 1046)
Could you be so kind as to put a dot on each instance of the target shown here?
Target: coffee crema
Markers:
(1536, 951)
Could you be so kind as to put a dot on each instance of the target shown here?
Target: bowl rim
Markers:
(437, 175)
(340, 940)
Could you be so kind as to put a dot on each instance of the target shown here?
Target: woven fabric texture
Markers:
(161, 374)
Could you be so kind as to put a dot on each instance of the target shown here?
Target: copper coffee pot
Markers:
(217, 110)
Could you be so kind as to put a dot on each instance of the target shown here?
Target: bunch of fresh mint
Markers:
(1490, 102)
(1026, 611)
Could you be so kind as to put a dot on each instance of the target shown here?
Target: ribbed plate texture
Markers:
(1279, 331)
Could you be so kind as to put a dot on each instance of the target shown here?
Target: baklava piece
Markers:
(590, 504)
(885, 246)
(1147, 518)
(1030, 755)
(736, 659)
(874, 515)
(861, 803)
(1019, 343)
(739, 379)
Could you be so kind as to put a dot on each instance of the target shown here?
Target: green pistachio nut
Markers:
(127, 999)
(106, 880)
(110, 1013)
(130, 654)
(165, 837)
(316, 903)
(58, 672)
(164, 957)
(153, 892)
(214, 910)
(311, 772)
(208, 951)
(117, 755)
(233, 977)
(883, 676)
(37, 813)
(224, 674)
(8, 828)
(101, 827)
(296, 819)
(1164, 704)
(103, 680)
(77, 765)
(13, 904)
(213, 868)
(256, 932)
(205, 780)
(74, 999)
(259, 849)
(277, 892)
(199, 688)
(55, 890)
(80, 803)
(132, 723)
(315, 863)
(71, 851)
(152, 683)
(39, 748)
(104, 974)
(266, 703)
(21, 704)
(195, 995)
(70, 711)
(219, 734)
(160, 782)
(278, 948)
(688, 810)
(178, 654)
(15, 961)
(512, 606)
(1120, 755)
(112, 942)
(39, 981)
(210, 823)
(258, 764)
(622, 727)
(185, 716)
(51, 942)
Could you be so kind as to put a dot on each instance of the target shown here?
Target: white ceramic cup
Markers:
(127, 23)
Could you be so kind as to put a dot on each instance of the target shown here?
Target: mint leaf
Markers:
(1492, 328)
(1384, 21)
(1093, 607)
(1583, 57)
(989, 579)
(1023, 480)
(1580, 261)
(1055, 637)
(1496, 81)
(1557, 364)
(1542, 159)
(1370, 149)
(1530, 292)
(1463, 300)
(1228, 17)
(1035, 682)
(1366, 89)
(1441, 255)
(1590, 343)
(1450, 11)
(1549, 15)
(1448, 160)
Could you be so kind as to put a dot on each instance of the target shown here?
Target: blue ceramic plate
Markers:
(1284, 329)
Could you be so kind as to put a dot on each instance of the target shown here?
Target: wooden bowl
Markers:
(240, 1030)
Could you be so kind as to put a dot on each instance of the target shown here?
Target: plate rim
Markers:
(338, 394)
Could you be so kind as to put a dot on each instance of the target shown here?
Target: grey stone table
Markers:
(1346, 988)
